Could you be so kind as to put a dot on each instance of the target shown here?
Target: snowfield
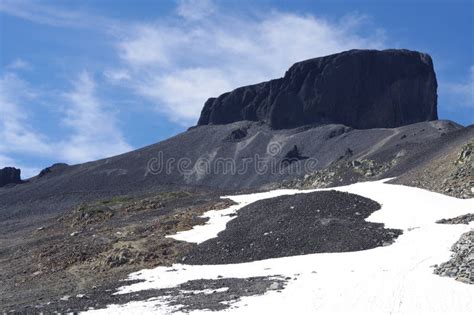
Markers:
(395, 279)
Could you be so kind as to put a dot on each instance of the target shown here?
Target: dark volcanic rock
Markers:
(10, 175)
(461, 264)
(462, 219)
(358, 88)
(318, 222)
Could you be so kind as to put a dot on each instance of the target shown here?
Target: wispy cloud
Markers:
(94, 130)
(36, 12)
(16, 135)
(18, 64)
(177, 66)
(195, 9)
(460, 93)
(116, 75)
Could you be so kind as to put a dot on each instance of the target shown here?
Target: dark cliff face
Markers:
(358, 88)
(9, 175)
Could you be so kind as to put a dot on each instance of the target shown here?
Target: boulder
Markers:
(361, 89)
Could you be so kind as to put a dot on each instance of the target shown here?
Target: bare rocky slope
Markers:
(443, 165)
(449, 171)
(374, 111)
(237, 156)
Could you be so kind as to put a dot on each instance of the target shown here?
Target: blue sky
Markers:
(83, 80)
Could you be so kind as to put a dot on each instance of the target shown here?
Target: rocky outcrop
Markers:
(462, 219)
(460, 182)
(10, 175)
(55, 168)
(461, 264)
(357, 88)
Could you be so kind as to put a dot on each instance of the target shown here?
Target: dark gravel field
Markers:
(319, 222)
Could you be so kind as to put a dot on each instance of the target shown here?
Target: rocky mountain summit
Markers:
(358, 88)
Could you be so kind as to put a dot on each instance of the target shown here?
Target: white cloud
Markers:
(16, 134)
(117, 75)
(56, 16)
(177, 66)
(148, 46)
(95, 133)
(18, 64)
(181, 90)
(461, 93)
(195, 9)
(37, 13)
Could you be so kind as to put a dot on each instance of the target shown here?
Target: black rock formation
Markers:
(10, 175)
(358, 88)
